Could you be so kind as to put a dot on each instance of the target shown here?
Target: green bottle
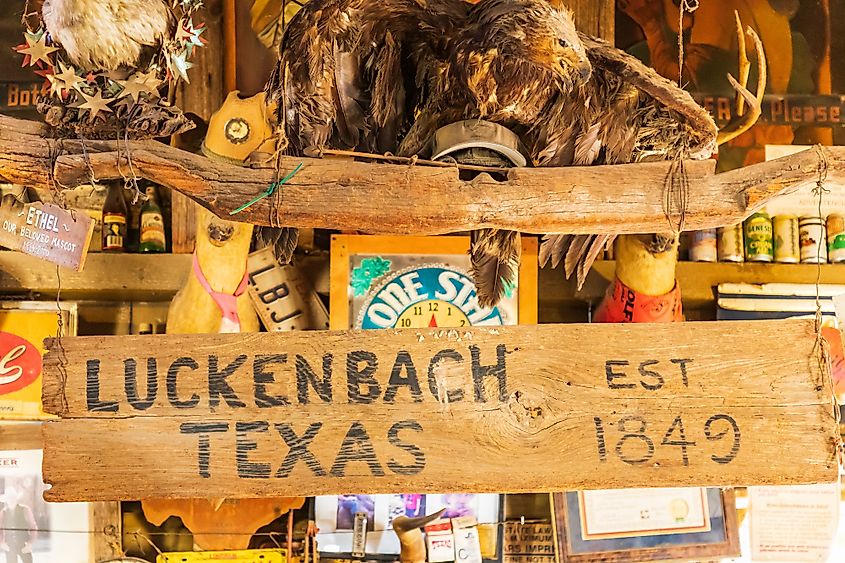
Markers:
(152, 237)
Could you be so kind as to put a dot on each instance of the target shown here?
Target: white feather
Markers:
(106, 34)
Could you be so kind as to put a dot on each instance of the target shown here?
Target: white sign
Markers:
(794, 523)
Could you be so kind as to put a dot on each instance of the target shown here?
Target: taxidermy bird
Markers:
(108, 34)
(384, 76)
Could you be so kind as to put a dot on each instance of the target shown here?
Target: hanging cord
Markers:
(685, 7)
(522, 521)
(676, 190)
(822, 347)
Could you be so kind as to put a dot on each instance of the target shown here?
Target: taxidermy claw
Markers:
(410, 536)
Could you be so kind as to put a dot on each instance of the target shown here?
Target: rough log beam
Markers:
(401, 199)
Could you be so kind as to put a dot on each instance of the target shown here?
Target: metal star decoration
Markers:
(36, 49)
(190, 36)
(134, 87)
(179, 65)
(65, 80)
(94, 104)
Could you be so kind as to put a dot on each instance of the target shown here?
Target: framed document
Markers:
(27, 521)
(632, 525)
(420, 282)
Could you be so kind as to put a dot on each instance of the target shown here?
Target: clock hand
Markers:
(433, 322)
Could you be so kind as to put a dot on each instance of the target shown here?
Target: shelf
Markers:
(106, 277)
(144, 277)
(698, 281)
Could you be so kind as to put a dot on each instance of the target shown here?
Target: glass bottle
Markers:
(152, 237)
(115, 217)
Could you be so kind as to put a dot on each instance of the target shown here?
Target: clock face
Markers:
(425, 296)
(432, 313)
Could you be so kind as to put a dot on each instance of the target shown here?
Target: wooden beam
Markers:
(367, 412)
(403, 199)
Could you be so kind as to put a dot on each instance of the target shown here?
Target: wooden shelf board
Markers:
(698, 281)
(123, 277)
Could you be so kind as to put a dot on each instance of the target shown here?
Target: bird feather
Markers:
(494, 258)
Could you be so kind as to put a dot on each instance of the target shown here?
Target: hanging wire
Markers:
(685, 7)
(522, 521)
(821, 348)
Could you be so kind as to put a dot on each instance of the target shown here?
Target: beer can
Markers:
(811, 233)
(730, 244)
(836, 238)
(758, 238)
(785, 228)
(703, 246)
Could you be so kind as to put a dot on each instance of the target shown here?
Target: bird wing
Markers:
(348, 70)
(627, 112)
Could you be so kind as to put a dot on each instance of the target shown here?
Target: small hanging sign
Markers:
(46, 231)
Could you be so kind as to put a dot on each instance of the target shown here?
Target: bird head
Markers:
(544, 33)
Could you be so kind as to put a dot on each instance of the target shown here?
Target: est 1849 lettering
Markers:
(633, 440)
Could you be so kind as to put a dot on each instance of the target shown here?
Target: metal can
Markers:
(811, 233)
(758, 238)
(703, 246)
(785, 228)
(730, 244)
(836, 238)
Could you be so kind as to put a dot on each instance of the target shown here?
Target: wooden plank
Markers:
(311, 413)
(46, 231)
(20, 436)
(594, 17)
(106, 276)
(106, 522)
(561, 301)
(403, 199)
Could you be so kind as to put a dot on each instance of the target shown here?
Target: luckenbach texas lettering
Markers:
(363, 379)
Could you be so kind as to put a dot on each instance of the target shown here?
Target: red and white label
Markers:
(20, 363)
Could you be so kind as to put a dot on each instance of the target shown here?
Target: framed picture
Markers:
(29, 525)
(410, 282)
(632, 525)
(23, 327)
(335, 516)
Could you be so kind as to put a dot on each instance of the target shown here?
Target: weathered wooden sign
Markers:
(46, 231)
(509, 409)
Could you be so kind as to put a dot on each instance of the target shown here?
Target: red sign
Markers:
(20, 363)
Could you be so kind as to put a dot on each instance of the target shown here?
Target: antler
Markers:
(745, 119)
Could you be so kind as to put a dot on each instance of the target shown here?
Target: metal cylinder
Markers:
(703, 246)
(811, 232)
(786, 241)
(758, 238)
(731, 246)
(836, 238)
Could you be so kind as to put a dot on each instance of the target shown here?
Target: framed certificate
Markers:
(420, 282)
(632, 525)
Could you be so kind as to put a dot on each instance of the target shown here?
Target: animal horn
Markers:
(412, 545)
(405, 524)
(746, 118)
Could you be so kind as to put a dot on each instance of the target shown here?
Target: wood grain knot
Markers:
(525, 410)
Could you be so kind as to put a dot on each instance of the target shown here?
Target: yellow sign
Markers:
(23, 328)
(239, 556)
